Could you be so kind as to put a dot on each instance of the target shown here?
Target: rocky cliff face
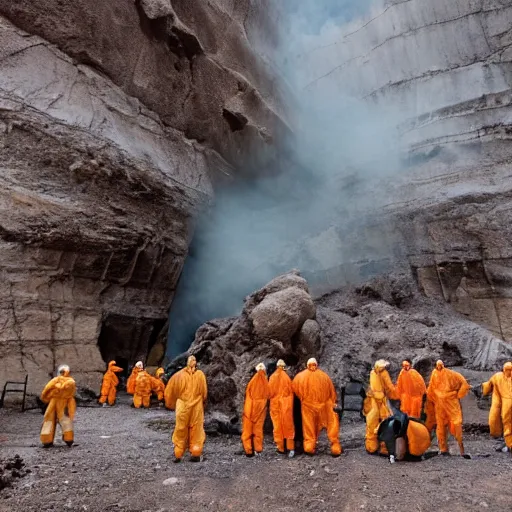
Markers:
(117, 119)
(442, 70)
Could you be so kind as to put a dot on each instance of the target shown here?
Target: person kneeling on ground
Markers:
(404, 437)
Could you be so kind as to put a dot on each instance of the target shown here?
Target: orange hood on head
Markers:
(112, 367)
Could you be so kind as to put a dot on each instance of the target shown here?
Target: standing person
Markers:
(59, 394)
(411, 390)
(109, 385)
(186, 392)
(130, 385)
(500, 415)
(142, 395)
(157, 385)
(317, 395)
(445, 390)
(375, 406)
(281, 409)
(255, 410)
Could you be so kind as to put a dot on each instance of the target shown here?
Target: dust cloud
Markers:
(299, 215)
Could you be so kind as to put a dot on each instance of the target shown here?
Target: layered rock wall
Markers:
(117, 120)
(442, 71)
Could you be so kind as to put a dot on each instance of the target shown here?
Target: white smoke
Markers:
(310, 214)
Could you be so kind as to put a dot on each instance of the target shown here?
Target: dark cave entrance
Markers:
(128, 340)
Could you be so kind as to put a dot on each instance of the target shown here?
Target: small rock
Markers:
(170, 481)
(156, 8)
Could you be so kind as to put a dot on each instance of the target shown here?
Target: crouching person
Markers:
(404, 438)
(59, 394)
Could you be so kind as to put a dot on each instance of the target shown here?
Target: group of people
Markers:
(317, 396)
(397, 432)
(141, 385)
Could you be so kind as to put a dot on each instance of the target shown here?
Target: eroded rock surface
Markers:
(114, 129)
(386, 317)
(440, 73)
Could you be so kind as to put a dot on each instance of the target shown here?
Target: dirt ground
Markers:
(123, 462)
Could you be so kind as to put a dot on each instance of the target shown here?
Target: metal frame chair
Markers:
(24, 391)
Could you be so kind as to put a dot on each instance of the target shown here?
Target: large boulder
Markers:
(281, 314)
(276, 322)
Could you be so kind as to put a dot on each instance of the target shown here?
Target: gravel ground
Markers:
(122, 461)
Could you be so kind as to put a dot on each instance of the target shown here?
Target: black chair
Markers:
(9, 389)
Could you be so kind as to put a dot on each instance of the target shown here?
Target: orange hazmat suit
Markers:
(418, 438)
(403, 436)
(142, 395)
(445, 390)
(130, 384)
(109, 384)
(59, 394)
(375, 407)
(157, 386)
(500, 415)
(281, 408)
(411, 388)
(317, 395)
(186, 392)
(255, 410)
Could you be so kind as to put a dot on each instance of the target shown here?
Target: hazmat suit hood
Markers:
(380, 365)
(63, 370)
(260, 367)
(112, 367)
(312, 364)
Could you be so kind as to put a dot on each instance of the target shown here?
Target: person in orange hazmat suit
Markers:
(142, 395)
(411, 390)
(157, 385)
(109, 385)
(445, 389)
(130, 384)
(59, 394)
(317, 395)
(281, 409)
(375, 406)
(500, 415)
(186, 392)
(404, 437)
(255, 410)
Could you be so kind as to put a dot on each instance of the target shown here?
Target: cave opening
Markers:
(127, 339)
